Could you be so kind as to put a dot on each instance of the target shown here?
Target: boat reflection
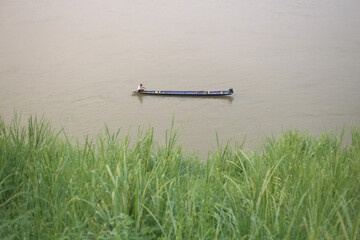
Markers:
(229, 99)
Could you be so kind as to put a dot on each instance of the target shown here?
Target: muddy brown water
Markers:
(292, 64)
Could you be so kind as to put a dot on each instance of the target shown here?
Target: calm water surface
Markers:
(292, 64)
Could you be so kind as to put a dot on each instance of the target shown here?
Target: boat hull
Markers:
(186, 93)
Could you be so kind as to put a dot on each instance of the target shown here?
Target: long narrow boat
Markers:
(186, 93)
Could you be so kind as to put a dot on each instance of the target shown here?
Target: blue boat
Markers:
(186, 93)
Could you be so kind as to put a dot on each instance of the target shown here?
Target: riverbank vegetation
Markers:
(295, 186)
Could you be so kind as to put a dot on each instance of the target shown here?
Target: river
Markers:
(291, 63)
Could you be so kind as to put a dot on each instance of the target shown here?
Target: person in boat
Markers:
(140, 88)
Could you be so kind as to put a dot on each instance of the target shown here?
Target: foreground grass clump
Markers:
(295, 187)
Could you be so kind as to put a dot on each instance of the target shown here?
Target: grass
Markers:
(295, 186)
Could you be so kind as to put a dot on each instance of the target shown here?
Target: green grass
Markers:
(295, 186)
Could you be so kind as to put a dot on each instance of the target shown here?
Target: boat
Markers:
(185, 93)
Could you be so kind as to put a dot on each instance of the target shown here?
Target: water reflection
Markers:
(229, 99)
